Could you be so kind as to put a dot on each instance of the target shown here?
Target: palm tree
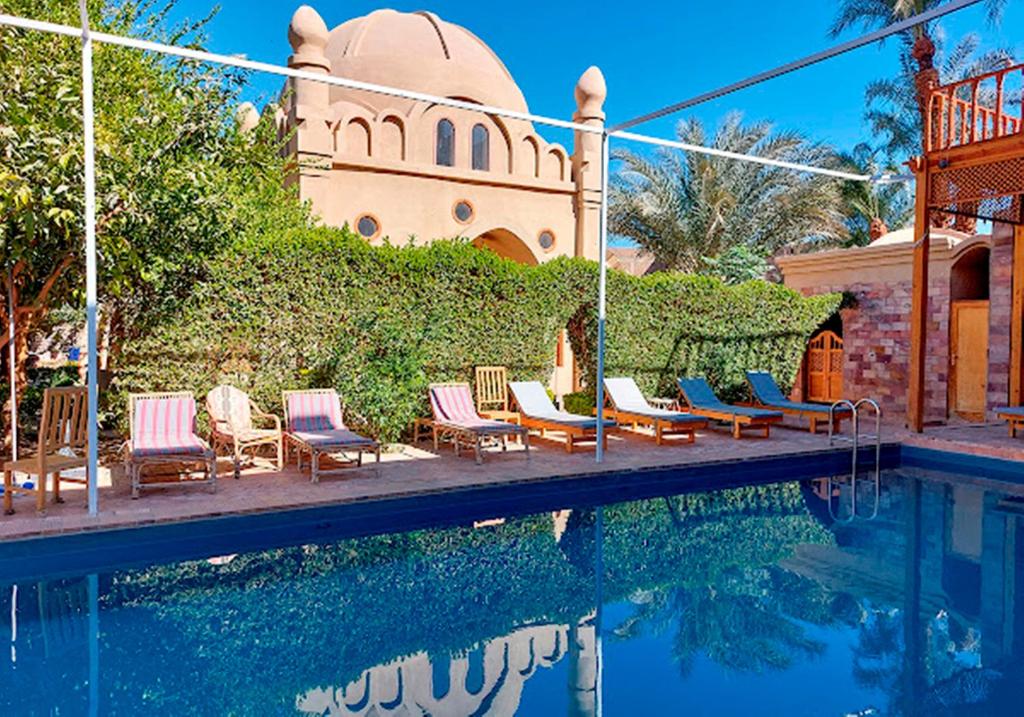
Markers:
(893, 108)
(685, 208)
(873, 14)
(872, 209)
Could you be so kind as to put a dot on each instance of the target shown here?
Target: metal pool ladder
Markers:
(855, 439)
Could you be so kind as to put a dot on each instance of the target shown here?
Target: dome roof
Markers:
(420, 51)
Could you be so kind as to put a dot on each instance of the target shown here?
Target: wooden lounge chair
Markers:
(232, 426)
(766, 393)
(456, 418)
(628, 405)
(314, 425)
(163, 433)
(703, 402)
(62, 440)
(1014, 416)
(492, 394)
(537, 412)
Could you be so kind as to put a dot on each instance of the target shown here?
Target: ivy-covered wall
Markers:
(321, 307)
(667, 325)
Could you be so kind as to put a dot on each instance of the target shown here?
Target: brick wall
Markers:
(876, 343)
(1000, 304)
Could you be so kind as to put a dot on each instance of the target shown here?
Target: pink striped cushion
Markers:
(165, 426)
(314, 411)
(453, 404)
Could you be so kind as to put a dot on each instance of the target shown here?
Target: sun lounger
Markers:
(766, 393)
(455, 417)
(1014, 416)
(628, 405)
(314, 425)
(163, 432)
(536, 411)
(703, 402)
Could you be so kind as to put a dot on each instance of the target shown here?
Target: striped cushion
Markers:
(313, 411)
(454, 404)
(165, 426)
(336, 438)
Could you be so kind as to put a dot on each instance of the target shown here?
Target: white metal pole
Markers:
(90, 258)
(602, 277)
(11, 356)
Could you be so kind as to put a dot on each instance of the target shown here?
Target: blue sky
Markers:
(652, 53)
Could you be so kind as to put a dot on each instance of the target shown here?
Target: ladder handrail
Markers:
(855, 411)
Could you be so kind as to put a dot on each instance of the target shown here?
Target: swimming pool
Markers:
(747, 600)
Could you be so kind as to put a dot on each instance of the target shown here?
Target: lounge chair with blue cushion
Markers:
(537, 412)
(1014, 416)
(702, 401)
(766, 393)
(628, 405)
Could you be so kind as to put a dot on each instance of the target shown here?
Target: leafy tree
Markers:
(176, 176)
(866, 203)
(869, 15)
(686, 207)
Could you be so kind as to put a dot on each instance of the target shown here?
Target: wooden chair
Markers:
(63, 430)
(628, 405)
(767, 393)
(537, 412)
(313, 424)
(232, 426)
(492, 394)
(702, 401)
(1014, 416)
(163, 433)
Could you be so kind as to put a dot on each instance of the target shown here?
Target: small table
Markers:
(667, 404)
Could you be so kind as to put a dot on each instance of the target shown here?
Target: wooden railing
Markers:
(975, 110)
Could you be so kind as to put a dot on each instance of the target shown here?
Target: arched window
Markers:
(445, 143)
(481, 148)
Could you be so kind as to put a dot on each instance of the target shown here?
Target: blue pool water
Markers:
(745, 601)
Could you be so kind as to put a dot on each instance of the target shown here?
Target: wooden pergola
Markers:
(972, 167)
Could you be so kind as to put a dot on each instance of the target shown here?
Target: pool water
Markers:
(747, 601)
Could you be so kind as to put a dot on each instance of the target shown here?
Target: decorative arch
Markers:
(391, 142)
(480, 147)
(554, 164)
(444, 143)
(529, 157)
(506, 243)
(357, 138)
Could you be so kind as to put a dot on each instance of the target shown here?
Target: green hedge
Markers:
(321, 307)
(667, 325)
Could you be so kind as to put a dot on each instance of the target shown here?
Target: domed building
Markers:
(397, 168)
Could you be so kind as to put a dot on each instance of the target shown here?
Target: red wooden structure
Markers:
(972, 166)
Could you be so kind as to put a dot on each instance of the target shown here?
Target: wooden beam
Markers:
(1017, 320)
(919, 303)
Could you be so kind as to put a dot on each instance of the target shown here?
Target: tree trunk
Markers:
(20, 381)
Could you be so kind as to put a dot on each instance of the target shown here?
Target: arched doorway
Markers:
(823, 365)
(504, 243)
(968, 334)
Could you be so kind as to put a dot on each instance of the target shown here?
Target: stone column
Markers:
(307, 106)
(1000, 311)
(586, 161)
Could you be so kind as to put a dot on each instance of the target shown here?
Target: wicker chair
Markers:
(63, 433)
(232, 428)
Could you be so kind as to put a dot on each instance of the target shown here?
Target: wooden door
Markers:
(824, 363)
(968, 359)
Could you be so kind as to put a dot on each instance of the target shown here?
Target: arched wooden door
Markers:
(825, 368)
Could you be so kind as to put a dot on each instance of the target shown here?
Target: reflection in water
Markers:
(722, 603)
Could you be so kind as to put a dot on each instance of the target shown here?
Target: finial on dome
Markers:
(247, 117)
(591, 92)
(307, 31)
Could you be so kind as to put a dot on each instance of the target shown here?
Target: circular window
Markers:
(368, 226)
(463, 211)
(546, 239)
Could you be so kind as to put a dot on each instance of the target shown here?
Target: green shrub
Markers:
(667, 325)
(318, 307)
(321, 307)
(580, 402)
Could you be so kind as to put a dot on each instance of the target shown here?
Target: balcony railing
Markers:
(976, 110)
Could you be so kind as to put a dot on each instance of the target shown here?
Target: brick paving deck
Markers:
(412, 470)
